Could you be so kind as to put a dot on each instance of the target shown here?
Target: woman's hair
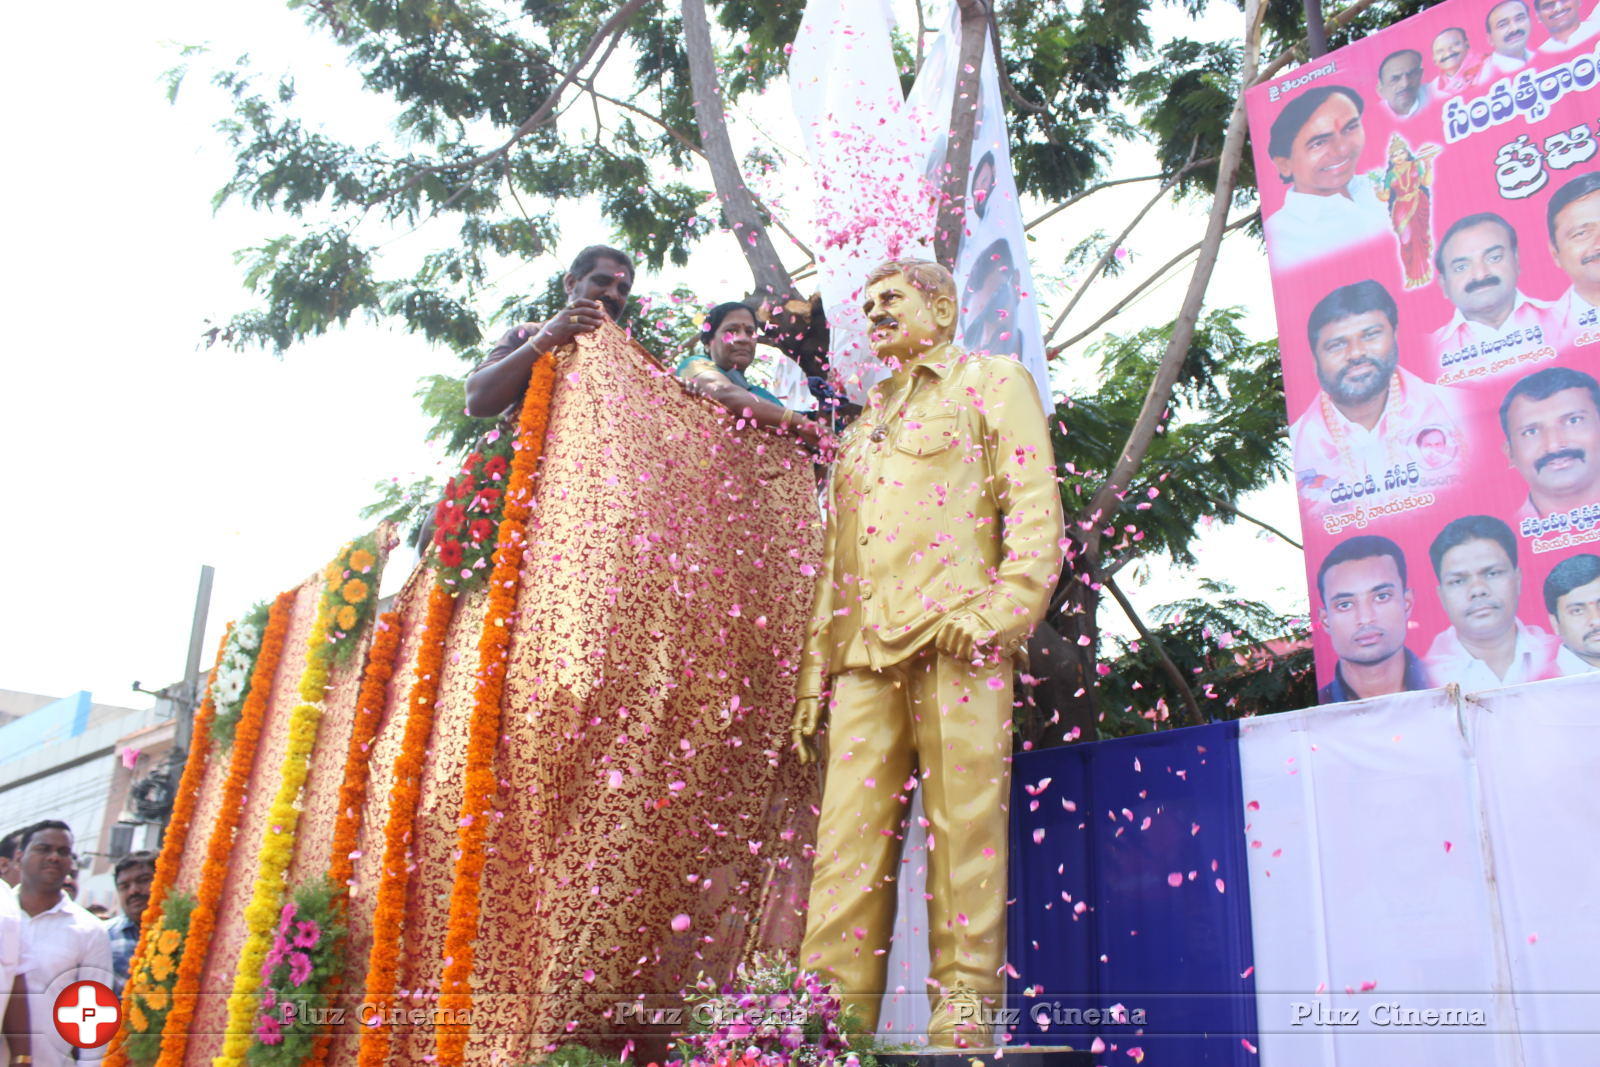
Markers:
(714, 317)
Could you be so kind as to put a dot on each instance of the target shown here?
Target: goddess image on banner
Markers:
(1431, 202)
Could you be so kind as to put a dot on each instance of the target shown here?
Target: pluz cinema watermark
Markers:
(1386, 1014)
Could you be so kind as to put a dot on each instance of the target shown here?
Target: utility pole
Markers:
(189, 694)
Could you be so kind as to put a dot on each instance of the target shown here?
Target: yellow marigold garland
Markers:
(370, 703)
(214, 872)
(455, 997)
(383, 965)
(277, 843)
(171, 854)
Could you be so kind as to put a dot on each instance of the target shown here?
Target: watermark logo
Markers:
(86, 1014)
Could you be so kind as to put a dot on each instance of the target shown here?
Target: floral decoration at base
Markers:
(773, 1014)
(232, 683)
(149, 994)
(466, 520)
(296, 975)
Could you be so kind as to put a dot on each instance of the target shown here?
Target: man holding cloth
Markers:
(944, 543)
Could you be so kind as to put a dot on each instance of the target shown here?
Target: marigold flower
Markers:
(169, 941)
(137, 1019)
(362, 560)
(161, 966)
(155, 999)
(355, 590)
(347, 618)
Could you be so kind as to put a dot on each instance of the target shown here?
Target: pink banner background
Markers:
(1503, 140)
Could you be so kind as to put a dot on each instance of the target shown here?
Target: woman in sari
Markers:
(1406, 184)
(729, 337)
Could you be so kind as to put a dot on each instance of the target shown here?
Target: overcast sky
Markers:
(133, 455)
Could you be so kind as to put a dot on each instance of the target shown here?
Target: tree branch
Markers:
(1155, 276)
(1284, 58)
(612, 27)
(688, 142)
(1225, 506)
(1110, 254)
(1169, 668)
(1159, 396)
(771, 279)
(1069, 201)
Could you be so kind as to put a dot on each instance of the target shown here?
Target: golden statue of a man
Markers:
(943, 545)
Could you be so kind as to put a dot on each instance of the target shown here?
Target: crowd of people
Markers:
(48, 941)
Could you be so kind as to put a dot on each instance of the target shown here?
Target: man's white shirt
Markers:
(13, 957)
(1499, 66)
(1586, 32)
(63, 944)
(1307, 227)
(1568, 312)
(1569, 663)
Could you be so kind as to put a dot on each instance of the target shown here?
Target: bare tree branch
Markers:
(1110, 254)
(771, 279)
(1069, 201)
(1159, 396)
(1225, 506)
(1155, 276)
(1170, 669)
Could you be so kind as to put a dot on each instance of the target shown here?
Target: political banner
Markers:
(1431, 201)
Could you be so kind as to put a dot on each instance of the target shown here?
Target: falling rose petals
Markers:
(680, 923)
(1038, 835)
(1448, 846)
(1174, 879)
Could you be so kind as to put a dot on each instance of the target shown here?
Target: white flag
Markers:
(999, 312)
(873, 202)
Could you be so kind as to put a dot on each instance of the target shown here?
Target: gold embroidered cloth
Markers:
(651, 824)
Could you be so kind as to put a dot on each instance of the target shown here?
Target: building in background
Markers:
(104, 769)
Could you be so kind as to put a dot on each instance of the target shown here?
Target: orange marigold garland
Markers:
(381, 656)
(383, 965)
(484, 736)
(172, 844)
(214, 873)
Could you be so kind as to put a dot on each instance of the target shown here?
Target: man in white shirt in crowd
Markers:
(1563, 21)
(1551, 419)
(63, 942)
(1508, 25)
(8, 857)
(1371, 415)
(1573, 216)
(1486, 646)
(1572, 597)
(1478, 271)
(1400, 83)
(16, 1037)
(1316, 144)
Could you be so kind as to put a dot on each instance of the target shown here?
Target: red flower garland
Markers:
(171, 854)
(383, 965)
(381, 656)
(214, 873)
(455, 998)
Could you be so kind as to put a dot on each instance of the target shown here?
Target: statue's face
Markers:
(904, 322)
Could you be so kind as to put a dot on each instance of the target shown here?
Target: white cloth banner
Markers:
(999, 311)
(1424, 883)
(872, 201)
